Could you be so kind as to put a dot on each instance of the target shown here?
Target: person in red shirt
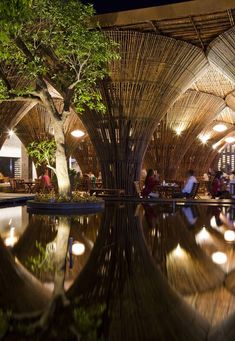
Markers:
(150, 184)
(46, 181)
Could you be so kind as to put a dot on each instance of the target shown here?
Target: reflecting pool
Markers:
(154, 272)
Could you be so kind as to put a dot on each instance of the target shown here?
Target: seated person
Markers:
(217, 186)
(150, 184)
(186, 191)
(46, 181)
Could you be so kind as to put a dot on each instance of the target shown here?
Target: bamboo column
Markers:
(152, 72)
(181, 128)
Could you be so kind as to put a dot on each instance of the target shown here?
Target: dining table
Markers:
(166, 190)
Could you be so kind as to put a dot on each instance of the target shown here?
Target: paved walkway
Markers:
(12, 198)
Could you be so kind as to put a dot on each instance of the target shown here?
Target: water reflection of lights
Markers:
(219, 257)
(12, 239)
(203, 236)
(78, 248)
(214, 224)
(229, 236)
(178, 251)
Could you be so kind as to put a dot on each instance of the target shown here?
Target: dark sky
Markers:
(106, 6)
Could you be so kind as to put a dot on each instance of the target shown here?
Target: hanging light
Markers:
(220, 127)
(77, 133)
(219, 257)
(204, 138)
(230, 139)
(11, 132)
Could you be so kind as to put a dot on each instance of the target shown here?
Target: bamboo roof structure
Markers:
(164, 52)
(197, 22)
(181, 129)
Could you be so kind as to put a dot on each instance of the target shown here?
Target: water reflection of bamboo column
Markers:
(20, 291)
(140, 305)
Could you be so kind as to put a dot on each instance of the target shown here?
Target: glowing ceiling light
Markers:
(10, 132)
(77, 133)
(219, 257)
(178, 131)
(229, 236)
(78, 248)
(204, 138)
(220, 127)
(230, 139)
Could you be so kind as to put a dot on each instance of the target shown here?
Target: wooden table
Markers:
(166, 191)
(107, 191)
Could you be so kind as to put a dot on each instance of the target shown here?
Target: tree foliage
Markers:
(43, 153)
(54, 40)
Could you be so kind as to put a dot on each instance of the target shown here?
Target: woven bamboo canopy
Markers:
(164, 52)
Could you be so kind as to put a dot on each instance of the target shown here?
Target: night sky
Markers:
(106, 6)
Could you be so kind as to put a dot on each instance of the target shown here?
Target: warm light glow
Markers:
(229, 236)
(12, 239)
(230, 139)
(77, 133)
(178, 251)
(10, 132)
(213, 223)
(202, 236)
(78, 248)
(220, 127)
(219, 257)
(178, 131)
(204, 138)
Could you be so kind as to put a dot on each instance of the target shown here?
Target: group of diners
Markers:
(218, 187)
(152, 185)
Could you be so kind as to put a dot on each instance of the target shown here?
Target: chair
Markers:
(194, 191)
(137, 188)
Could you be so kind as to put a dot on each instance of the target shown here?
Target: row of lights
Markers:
(204, 138)
(75, 133)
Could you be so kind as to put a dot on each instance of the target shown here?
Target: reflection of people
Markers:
(46, 181)
(189, 215)
(186, 191)
(150, 184)
(150, 215)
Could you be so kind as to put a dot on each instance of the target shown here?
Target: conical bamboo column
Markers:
(152, 72)
(181, 129)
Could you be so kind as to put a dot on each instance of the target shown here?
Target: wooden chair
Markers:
(194, 191)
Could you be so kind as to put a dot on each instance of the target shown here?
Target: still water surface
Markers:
(123, 256)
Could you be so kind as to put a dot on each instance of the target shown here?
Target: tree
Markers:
(44, 43)
(43, 153)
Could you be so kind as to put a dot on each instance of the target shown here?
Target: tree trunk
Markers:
(61, 160)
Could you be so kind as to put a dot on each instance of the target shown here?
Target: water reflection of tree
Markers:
(58, 316)
(120, 273)
(20, 291)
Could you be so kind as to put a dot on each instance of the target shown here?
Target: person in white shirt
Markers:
(186, 191)
(189, 182)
